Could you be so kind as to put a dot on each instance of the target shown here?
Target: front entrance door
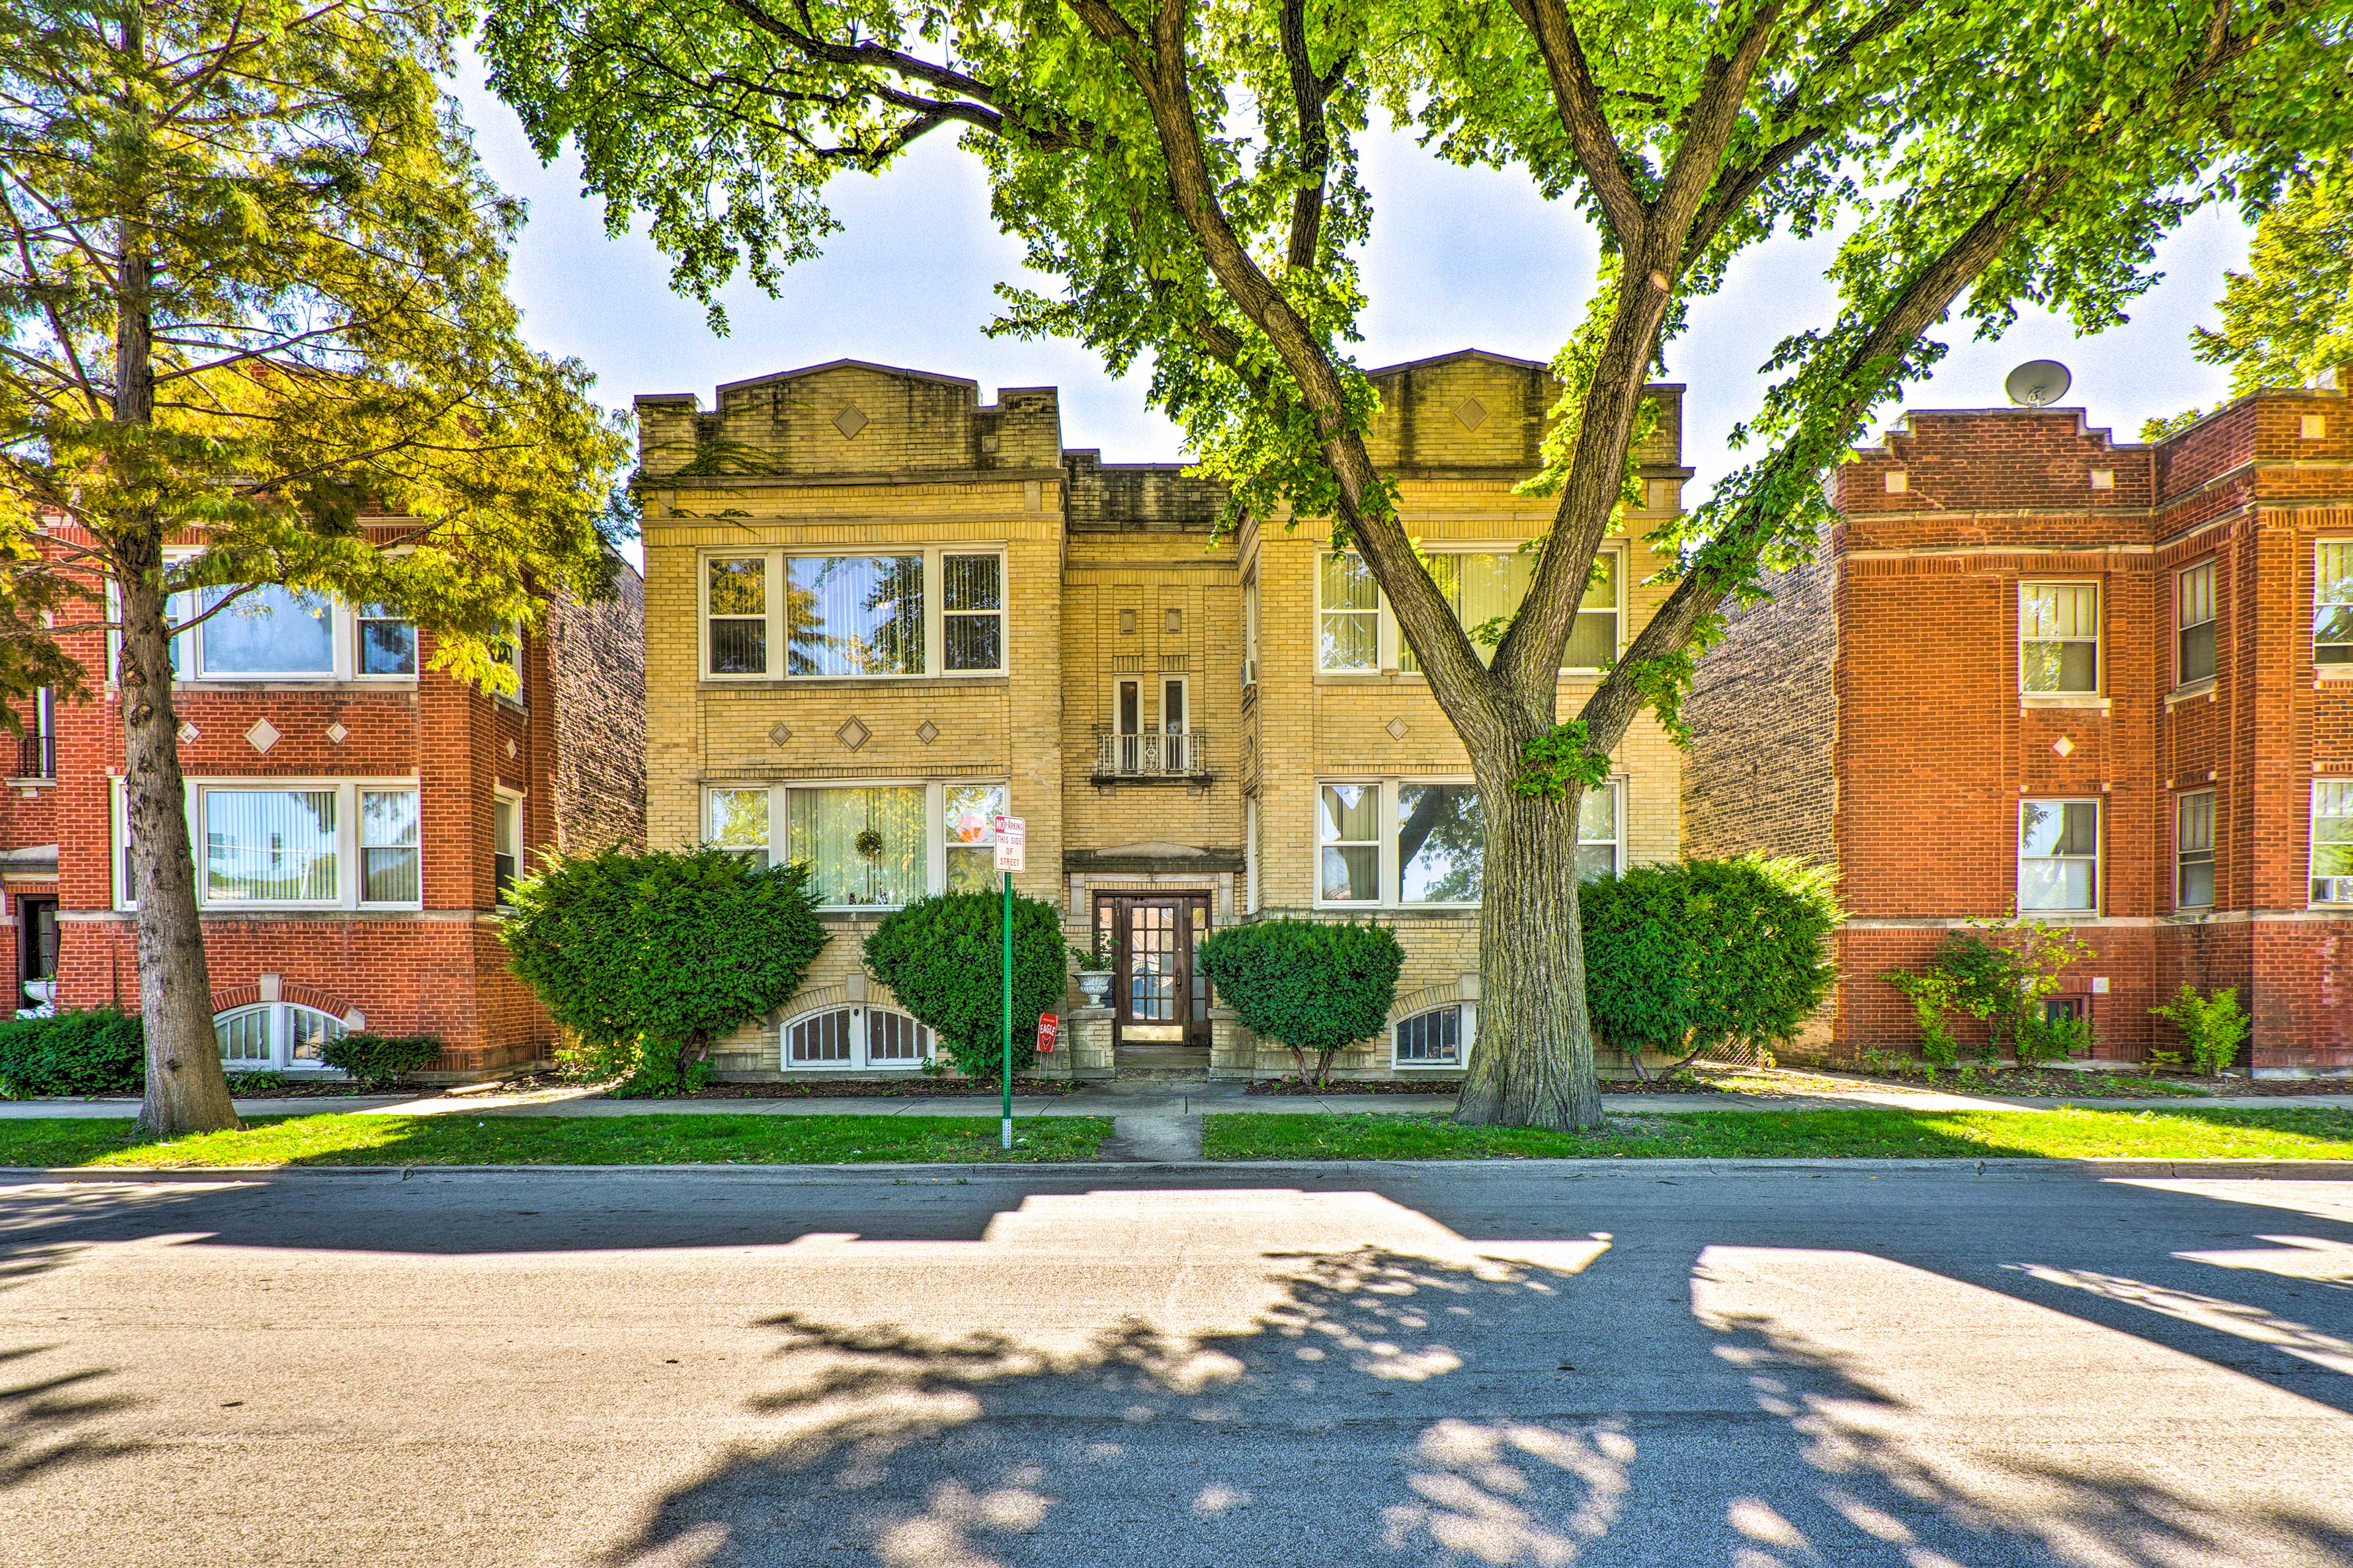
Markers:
(1158, 996)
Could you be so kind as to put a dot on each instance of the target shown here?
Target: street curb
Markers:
(2040, 1167)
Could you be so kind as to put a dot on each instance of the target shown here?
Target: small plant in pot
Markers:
(1094, 967)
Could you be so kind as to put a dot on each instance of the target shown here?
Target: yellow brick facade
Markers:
(1113, 573)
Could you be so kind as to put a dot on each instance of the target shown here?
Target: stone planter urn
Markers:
(1095, 985)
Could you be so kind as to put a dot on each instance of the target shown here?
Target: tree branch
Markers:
(1578, 104)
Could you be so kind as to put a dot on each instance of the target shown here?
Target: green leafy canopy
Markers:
(282, 201)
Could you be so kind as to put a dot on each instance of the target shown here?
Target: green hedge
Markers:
(101, 1051)
(944, 958)
(382, 1062)
(648, 958)
(1311, 985)
(1707, 952)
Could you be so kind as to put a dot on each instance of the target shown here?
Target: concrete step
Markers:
(1128, 1072)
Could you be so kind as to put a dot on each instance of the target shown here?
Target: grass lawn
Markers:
(461, 1140)
(2065, 1133)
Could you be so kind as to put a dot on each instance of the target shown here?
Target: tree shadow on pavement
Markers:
(1397, 1408)
(55, 1418)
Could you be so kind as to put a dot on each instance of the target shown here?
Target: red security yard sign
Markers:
(1047, 1026)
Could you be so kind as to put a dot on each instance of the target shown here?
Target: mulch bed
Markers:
(901, 1088)
(2272, 1086)
(322, 1091)
(1680, 1085)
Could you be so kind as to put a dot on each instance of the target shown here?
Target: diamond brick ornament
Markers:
(853, 733)
(1396, 727)
(263, 735)
(778, 733)
(2064, 746)
(927, 731)
(1472, 412)
(188, 731)
(849, 421)
(337, 733)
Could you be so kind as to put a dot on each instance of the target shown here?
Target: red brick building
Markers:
(2036, 669)
(356, 816)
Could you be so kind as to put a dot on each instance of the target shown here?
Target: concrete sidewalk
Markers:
(1132, 1100)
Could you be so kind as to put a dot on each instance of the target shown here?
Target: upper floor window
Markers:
(1250, 628)
(2332, 841)
(2332, 604)
(2059, 856)
(2059, 638)
(2193, 851)
(1348, 609)
(2193, 600)
(269, 632)
(866, 845)
(773, 614)
(1482, 587)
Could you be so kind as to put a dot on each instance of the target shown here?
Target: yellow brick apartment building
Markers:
(879, 612)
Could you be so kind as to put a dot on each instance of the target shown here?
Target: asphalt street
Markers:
(1483, 1365)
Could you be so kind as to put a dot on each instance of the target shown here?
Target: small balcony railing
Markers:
(1179, 754)
(36, 756)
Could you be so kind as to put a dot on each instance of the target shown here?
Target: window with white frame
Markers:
(1249, 856)
(854, 1039)
(1349, 843)
(1250, 628)
(1482, 587)
(1405, 843)
(268, 846)
(2059, 857)
(1440, 844)
(2332, 841)
(2193, 850)
(333, 844)
(739, 822)
(506, 844)
(1429, 1039)
(268, 632)
(776, 613)
(390, 868)
(386, 641)
(2194, 622)
(275, 1035)
(972, 613)
(2332, 603)
(1599, 845)
(2059, 638)
(867, 846)
(1349, 610)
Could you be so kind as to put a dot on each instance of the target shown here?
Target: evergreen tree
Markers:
(252, 283)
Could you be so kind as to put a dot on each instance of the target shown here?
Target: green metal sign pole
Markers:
(1008, 1010)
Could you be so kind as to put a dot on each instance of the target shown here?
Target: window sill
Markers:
(2195, 689)
(2327, 674)
(185, 686)
(2028, 702)
(841, 682)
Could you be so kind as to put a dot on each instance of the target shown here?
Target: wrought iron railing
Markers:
(36, 756)
(1182, 754)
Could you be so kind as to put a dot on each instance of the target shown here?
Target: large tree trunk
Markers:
(1532, 1061)
(186, 1090)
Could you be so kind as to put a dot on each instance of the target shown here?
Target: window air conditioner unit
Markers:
(1250, 672)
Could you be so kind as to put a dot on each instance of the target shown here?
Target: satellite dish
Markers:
(2038, 381)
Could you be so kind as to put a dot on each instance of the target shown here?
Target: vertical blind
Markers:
(856, 615)
(269, 845)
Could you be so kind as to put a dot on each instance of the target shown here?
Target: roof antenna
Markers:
(2038, 383)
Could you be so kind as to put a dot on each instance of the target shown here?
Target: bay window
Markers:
(776, 614)
(867, 846)
(294, 844)
(2059, 856)
(1358, 634)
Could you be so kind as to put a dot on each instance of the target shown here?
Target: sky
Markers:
(1461, 258)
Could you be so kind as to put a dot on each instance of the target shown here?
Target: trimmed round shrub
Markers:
(101, 1050)
(648, 957)
(1707, 952)
(944, 958)
(380, 1061)
(1309, 985)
